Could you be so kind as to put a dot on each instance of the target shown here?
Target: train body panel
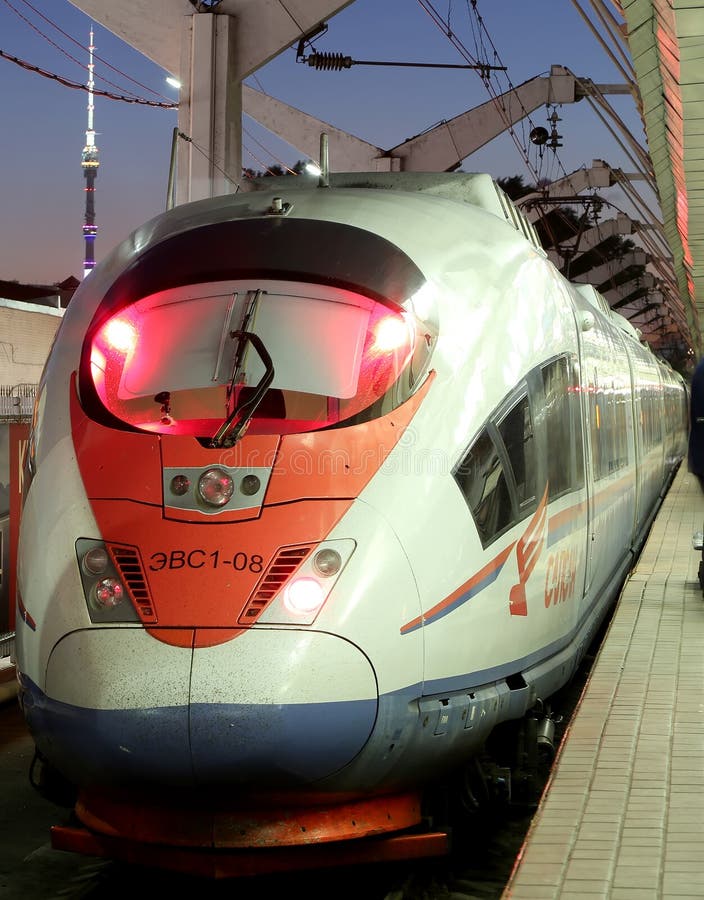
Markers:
(446, 559)
(53, 527)
(303, 714)
(334, 482)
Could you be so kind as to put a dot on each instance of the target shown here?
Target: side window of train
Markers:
(497, 474)
(602, 433)
(609, 429)
(481, 478)
(563, 427)
(516, 430)
(657, 415)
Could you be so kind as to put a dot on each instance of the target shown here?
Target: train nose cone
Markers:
(279, 707)
(115, 709)
(270, 709)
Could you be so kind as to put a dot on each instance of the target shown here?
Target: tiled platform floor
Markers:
(623, 815)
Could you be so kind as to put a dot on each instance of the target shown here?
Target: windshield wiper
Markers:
(235, 424)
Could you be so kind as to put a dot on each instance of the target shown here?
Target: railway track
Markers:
(30, 869)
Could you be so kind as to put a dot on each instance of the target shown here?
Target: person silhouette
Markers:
(695, 456)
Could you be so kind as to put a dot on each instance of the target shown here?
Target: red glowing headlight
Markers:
(391, 333)
(120, 335)
(109, 592)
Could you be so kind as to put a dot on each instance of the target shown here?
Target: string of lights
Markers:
(127, 98)
(40, 33)
(82, 87)
(55, 45)
(82, 46)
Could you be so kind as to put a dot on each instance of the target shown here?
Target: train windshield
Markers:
(179, 362)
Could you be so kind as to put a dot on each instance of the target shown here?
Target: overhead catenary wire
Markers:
(261, 162)
(131, 98)
(478, 33)
(82, 87)
(485, 38)
(435, 16)
(626, 66)
(41, 33)
(57, 46)
(204, 153)
(82, 46)
(636, 153)
(481, 39)
(648, 232)
(629, 75)
(266, 150)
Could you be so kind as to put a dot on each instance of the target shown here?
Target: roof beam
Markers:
(609, 270)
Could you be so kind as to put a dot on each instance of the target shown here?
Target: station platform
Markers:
(622, 816)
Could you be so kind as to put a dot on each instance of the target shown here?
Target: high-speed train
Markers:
(324, 484)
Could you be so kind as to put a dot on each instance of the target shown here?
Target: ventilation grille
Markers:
(278, 573)
(129, 565)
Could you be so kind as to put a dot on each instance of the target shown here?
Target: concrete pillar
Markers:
(209, 158)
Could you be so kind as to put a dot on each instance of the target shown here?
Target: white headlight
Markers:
(215, 487)
(327, 562)
(303, 596)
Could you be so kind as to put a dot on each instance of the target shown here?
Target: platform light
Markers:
(313, 168)
(173, 82)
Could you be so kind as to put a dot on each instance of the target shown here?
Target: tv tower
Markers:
(90, 163)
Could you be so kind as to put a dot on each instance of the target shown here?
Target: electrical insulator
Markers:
(329, 62)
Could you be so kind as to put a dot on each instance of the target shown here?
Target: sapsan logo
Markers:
(528, 550)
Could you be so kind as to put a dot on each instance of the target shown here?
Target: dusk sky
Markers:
(43, 122)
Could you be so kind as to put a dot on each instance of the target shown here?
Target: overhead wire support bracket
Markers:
(335, 62)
